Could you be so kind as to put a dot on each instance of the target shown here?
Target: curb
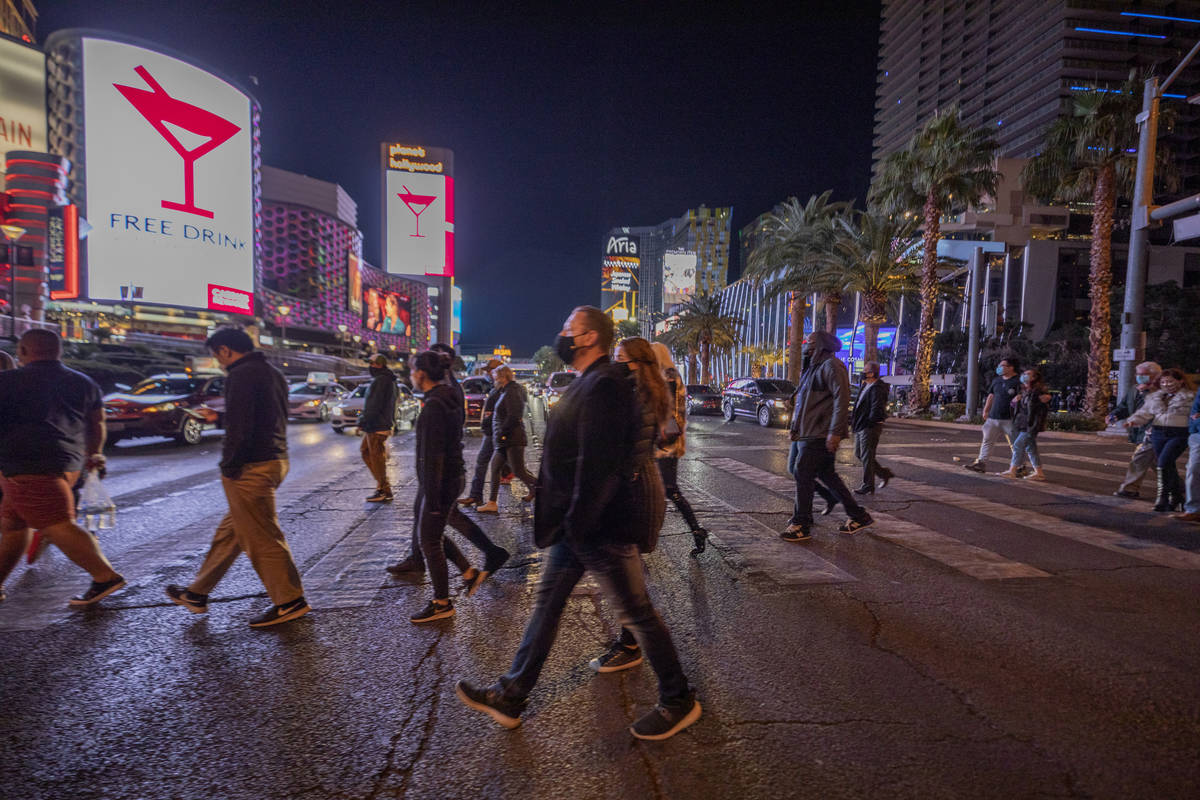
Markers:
(1065, 435)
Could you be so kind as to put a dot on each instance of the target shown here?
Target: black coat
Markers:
(379, 406)
(508, 419)
(587, 448)
(439, 447)
(256, 414)
(871, 408)
(1029, 412)
(489, 410)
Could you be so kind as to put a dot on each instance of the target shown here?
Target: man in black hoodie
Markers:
(376, 423)
(254, 461)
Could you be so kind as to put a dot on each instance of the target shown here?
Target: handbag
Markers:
(646, 505)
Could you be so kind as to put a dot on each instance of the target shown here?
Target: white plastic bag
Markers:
(96, 510)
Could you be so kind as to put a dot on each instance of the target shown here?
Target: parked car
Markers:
(556, 385)
(346, 412)
(762, 399)
(177, 405)
(702, 399)
(475, 390)
(314, 401)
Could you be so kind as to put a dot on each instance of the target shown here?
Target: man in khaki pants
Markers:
(253, 464)
(376, 422)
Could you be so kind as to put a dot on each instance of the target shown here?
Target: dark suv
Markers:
(177, 405)
(763, 399)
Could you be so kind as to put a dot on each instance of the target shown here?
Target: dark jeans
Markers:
(514, 456)
(481, 468)
(618, 567)
(1169, 444)
(669, 469)
(431, 547)
(825, 494)
(865, 443)
(815, 462)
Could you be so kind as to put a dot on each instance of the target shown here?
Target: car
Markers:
(702, 399)
(762, 399)
(313, 401)
(475, 391)
(177, 405)
(556, 384)
(346, 412)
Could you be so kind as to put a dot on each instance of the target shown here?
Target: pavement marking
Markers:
(966, 558)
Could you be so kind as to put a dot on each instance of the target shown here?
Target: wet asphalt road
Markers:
(986, 638)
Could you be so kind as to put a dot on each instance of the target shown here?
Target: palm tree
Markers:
(764, 357)
(878, 256)
(1091, 154)
(786, 261)
(702, 322)
(946, 166)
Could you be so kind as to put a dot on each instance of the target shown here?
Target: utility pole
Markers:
(976, 299)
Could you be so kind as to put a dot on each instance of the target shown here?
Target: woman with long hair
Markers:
(1167, 408)
(1029, 419)
(672, 445)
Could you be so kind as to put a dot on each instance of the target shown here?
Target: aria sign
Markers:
(170, 180)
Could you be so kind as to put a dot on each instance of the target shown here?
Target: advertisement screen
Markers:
(354, 290)
(387, 312)
(619, 286)
(22, 97)
(418, 210)
(679, 276)
(169, 181)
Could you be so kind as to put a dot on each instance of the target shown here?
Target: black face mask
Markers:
(564, 348)
(623, 368)
(377, 371)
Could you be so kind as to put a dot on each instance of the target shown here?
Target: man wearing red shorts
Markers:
(51, 427)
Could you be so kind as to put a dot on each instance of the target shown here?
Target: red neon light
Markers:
(43, 164)
(225, 298)
(70, 254)
(448, 269)
(450, 199)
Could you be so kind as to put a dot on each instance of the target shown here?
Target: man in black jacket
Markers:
(508, 436)
(253, 463)
(867, 423)
(376, 423)
(486, 448)
(590, 436)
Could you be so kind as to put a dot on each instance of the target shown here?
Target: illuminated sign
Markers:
(22, 97)
(619, 278)
(621, 281)
(387, 312)
(354, 290)
(679, 276)
(621, 245)
(418, 210)
(170, 180)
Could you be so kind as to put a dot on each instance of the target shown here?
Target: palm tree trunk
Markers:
(795, 337)
(919, 397)
(692, 368)
(873, 314)
(870, 341)
(833, 304)
(1095, 402)
(705, 361)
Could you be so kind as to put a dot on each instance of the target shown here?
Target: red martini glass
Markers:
(416, 204)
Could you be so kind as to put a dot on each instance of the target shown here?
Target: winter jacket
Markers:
(489, 409)
(822, 398)
(871, 408)
(1029, 412)
(256, 414)
(678, 447)
(1166, 411)
(379, 406)
(1130, 403)
(508, 421)
(439, 458)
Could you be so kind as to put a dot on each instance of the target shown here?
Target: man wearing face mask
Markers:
(820, 420)
(867, 423)
(1143, 459)
(591, 438)
(376, 423)
(998, 411)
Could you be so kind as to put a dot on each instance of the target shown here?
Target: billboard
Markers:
(354, 290)
(22, 97)
(170, 180)
(679, 276)
(387, 312)
(620, 276)
(418, 209)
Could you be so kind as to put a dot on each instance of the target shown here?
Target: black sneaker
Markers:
(617, 658)
(180, 596)
(975, 466)
(433, 611)
(284, 613)
(1127, 493)
(830, 505)
(700, 537)
(381, 497)
(407, 567)
(855, 525)
(663, 721)
(495, 560)
(491, 701)
(796, 533)
(98, 591)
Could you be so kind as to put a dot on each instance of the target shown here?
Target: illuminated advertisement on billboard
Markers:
(679, 276)
(22, 97)
(354, 290)
(620, 276)
(170, 181)
(418, 208)
(387, 312)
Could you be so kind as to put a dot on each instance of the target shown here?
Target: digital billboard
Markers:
(387, 312)
(620, 276)
(418, 210)
(679, 276)
(170, 180)
(354, 290)
(22, 97)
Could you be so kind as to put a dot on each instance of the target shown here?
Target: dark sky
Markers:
(564, 122)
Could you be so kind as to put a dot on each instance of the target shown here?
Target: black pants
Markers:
(482, 460)
(426, 519)
(1168, 444)
(814, 462)
(865, 443)
(669, 469)
(514, 456)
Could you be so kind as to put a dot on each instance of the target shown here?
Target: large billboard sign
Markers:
(418, 208)
(22, 97)
(387, 312)
(620, 276)
(679, 276)
(170, 180)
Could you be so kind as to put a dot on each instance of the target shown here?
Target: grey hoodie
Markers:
(822, 399)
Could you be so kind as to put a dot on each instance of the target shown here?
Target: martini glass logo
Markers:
(161, 110)
(416, 204)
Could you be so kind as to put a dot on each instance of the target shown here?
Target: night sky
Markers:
(564, 122)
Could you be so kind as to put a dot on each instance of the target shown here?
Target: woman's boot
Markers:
(1162, 501)
(700, 536)
(1176, 492)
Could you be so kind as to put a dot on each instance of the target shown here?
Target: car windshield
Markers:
(361, 391)
(698, 389)
(476, 386)
(561, 379)
(314, 389)
(166, 386)
(778, 387)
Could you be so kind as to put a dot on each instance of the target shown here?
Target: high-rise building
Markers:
(1013, 65)
(18, 18)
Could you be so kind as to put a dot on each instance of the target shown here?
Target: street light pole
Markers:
(12, 233)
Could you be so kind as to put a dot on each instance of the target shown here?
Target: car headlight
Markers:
(155, 409)
(313, 403)
(771, 402)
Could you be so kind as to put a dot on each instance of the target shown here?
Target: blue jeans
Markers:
(1025, 444)
(814, 462)
(1169, 444)
(618, 567)
(1193, 475)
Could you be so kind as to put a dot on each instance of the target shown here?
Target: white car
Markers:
(346, 413)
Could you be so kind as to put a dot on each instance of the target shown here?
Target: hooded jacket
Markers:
(439, 447)
(822, 398)
(256, 414)
(379, 406)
